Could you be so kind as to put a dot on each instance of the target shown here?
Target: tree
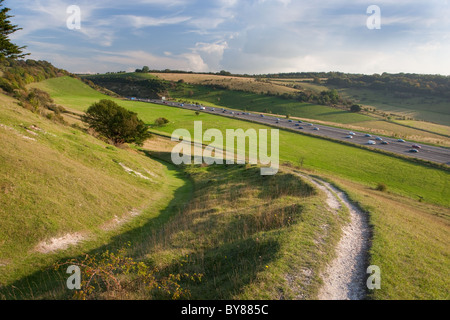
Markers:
(224, 73)
(7, 48)
(146, 69)
(116, 123)
(355, 108)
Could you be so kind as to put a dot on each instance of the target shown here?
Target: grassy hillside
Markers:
(410, 221)
(69, 92)
(230, 83)
(410, 244)
(58, 184)
(428, 108)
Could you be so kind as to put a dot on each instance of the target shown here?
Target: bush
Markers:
(116, 123)
(108, 275)
(161, 121)
(381, 187)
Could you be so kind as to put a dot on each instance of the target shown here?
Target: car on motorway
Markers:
(413, 150)
(384, 142)
(261, 115)
(300, 121)
(379, 139)
(213, 109)
(316, 129)
(349, 137)
(416, 146)
(371, 142)
(352, 133)
(400, 140)
(202, 108)
(368, 135)
(301, 128)
(310, 124)
(297, 124)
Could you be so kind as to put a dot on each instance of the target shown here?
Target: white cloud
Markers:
(139, 22)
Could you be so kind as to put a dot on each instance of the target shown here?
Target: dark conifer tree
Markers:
(7, 48)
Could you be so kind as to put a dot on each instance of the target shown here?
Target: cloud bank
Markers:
(256, 36)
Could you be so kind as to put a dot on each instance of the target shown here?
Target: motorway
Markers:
(426, 152)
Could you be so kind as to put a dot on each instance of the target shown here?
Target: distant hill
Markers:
(417, 96)
(129, 84)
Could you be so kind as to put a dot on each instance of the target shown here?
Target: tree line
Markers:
(406, 83)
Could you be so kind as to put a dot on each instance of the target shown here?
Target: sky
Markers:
(239, 36)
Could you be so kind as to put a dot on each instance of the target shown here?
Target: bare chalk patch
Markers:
(133, 172)
(61, 243)
(17, 132)
(116, 222)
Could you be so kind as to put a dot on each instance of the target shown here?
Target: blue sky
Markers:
(241, 36)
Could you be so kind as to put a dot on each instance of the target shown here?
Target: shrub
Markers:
(111, 274)
(381, 187)
(161, 121)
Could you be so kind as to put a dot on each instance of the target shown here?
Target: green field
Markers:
(363, 166)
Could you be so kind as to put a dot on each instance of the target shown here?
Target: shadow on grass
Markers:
(227, 269)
